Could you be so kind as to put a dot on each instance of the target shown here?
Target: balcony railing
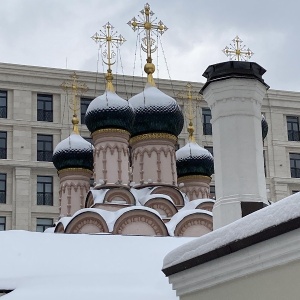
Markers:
(44, 156)
(44, 199)
(293, 135)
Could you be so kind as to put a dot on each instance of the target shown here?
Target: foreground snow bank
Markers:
(59, 266)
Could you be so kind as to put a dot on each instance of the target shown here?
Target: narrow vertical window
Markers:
(44, 190)
(3, 144)
(84, 104)
(44, 147)
(206, 117)
(3, 104)
(45, 107)
(293, 128)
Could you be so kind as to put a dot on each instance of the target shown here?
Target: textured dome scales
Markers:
(109, 111)
(194, 160)
(73, 152)
(156, 112)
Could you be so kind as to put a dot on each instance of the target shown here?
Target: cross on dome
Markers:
(148, 24)
(76, 89)
(237, 51)
(191, 95)
(109, 39)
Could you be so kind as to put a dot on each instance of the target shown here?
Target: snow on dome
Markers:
(191, 149)
(194, 160)
(109, 111)
(74, 141)
(156, 112)
(73, 152)
(270, 216)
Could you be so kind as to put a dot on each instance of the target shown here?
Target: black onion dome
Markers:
(109, 111)
(156, 112)
(73, 152)
(194, 160)
(264, 127)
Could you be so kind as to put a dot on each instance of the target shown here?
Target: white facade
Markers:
(21, 167)
(238, 156)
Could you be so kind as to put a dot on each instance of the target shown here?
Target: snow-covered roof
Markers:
(56, 266)
(99, 195)
(146, 198)
(178, 217)
(110, 217)
(277, 213)
(194, 203)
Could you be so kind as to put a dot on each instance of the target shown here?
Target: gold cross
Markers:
(76, 88)
(191, 95)
(109, 39)
(237, 51)
(149, 26)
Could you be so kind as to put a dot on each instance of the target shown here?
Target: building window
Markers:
(210, 149)
(45, 107)
(2, 188)
(3, 104)
(2, 223)
(295, 165)
(3, 144)
(206, 117)
(293, 128)
(212, 192)
(295, 191)
(84, 104)
(43, 224)
(44, 147)
(44, 190)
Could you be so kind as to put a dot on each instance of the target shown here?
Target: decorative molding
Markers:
(193, 220)
(268, 254)
(162, 204)
(153, 136)
(110, 130)
(85, 218)
(140, 216)
(74, 171)
(170, 191)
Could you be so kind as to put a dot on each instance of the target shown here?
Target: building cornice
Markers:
(273, 252)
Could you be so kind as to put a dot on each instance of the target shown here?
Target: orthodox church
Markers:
(142, 186)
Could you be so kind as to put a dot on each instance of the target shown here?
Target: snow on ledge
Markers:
(275, 214)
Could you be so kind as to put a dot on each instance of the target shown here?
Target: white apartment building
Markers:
(35, 116)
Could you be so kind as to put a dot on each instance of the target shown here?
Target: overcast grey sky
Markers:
(45, 33)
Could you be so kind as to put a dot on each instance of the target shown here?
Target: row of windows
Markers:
(45, 113)
(44, 146)
(44, 189)
(41, 224)
(44, 106)
(45, 110)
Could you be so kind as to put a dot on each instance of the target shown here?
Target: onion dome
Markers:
(155, 112)
(109, 111)
(73, 152)
(194, 160)
(264, 127)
